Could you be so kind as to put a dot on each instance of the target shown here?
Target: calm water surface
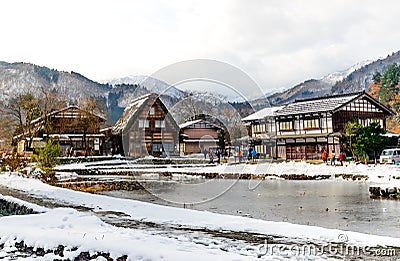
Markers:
(342, 205)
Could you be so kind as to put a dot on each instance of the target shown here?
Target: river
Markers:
(337, 204)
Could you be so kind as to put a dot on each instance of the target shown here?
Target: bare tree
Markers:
(90, 119)
(197, 103)
(50, 100)
(233, 121)
(6, 127)
(24, 108)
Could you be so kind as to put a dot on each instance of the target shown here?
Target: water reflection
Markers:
(326, 203)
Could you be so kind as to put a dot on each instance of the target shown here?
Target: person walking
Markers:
(211, 155)
(341, 158)
(249, 155)
(240, 155)
(205, 153)
(333, 158)
(245, 152)
(218, 156)
(254, 154)
(325, 157)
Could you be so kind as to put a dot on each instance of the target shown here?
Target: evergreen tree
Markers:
(47, 157)
(221, 140)
(376, 142)
(389, 81)
(363, 141)
(377, 77)
(352, 129)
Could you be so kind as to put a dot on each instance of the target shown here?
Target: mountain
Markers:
(354, 79)
(115, 94)
(151, 84)
(21, 78)
(308, 89)
(361, 78)
(339, 76)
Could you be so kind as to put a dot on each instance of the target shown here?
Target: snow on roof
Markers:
(322, 104)
(188, 123)
(129, 112)
(261, 114)
(216, 124)
(201, 140)
(71, 115)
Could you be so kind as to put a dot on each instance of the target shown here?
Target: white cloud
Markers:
(278, 43)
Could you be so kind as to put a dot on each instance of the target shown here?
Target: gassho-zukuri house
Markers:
(304, 128)
(146, 129)
(76, 130)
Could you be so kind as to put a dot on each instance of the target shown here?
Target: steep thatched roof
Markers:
(130, 112)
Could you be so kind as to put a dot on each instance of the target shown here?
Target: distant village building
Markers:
(76, 130)
(146, 128)
(200, 134)
(304, 128)
(262, 131)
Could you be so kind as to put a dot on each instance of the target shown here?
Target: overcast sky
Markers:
(278, 43)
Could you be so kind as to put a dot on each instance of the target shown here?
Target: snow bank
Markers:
(299, 168)
(142, 211)
(63, 176)
(34, 207)
(70, 228)
(376, 173)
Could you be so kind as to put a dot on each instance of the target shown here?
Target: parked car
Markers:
(390, 156)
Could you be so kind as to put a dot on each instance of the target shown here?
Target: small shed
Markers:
(199, 134)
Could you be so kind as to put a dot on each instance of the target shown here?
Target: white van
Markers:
(390, 156)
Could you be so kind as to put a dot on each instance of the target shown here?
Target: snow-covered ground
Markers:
(86, 232)
(384, 174)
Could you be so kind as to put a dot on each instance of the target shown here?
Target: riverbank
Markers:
(84, 231)
(198, 229)
(262, 170)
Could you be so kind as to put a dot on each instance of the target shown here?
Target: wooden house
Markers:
(146, 128)
(262, 131)
(76, 130)
(304, 128)
(199, 134)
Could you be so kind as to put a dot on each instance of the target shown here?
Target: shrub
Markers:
(47, 158)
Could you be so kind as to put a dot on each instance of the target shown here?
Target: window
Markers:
(159, 124)
(258, 128)
(157, 147)
(286, 125)
(255, 128)
(169, 147)
(311, 123)
(152, 111)
(144, 123)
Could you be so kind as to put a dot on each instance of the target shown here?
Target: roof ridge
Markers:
(329, 96)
